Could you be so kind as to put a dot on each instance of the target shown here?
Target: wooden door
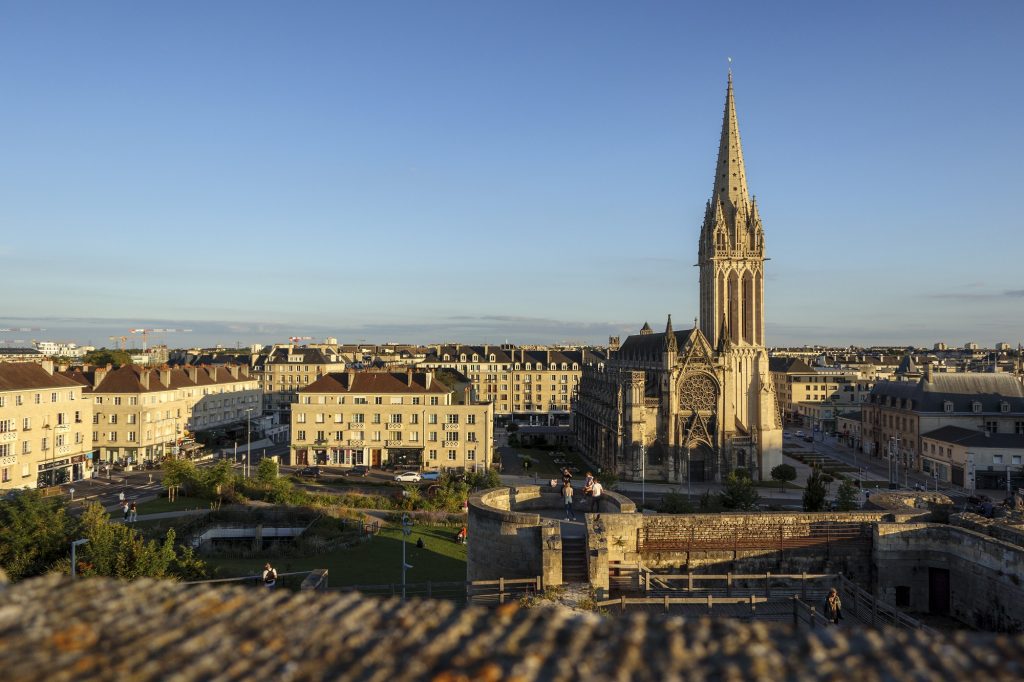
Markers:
(938, 591)
(375, 458)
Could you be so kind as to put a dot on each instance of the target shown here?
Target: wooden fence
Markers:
(639, 578)
(477, 592)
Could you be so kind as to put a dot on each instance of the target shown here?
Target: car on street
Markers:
(308, 472)
(408, 477)
(808, 439)
(799, 434)
(430, 475)
(359, 470)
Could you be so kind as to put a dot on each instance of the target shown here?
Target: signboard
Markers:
(55, 464)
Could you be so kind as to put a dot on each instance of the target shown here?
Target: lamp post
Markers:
(406, 532)
(248, 442)
(74, 544)
(46, 456)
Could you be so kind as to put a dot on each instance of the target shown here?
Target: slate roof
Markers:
(58, 630)
(649, 346)
(128, 378)
(22, 376)
(975, 438)
(789, 365)
(960, 388)
(545, 357)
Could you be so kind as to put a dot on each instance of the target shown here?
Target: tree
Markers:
(784, 473)
(34, 534)
(119, 551)
(847, 498)
(739, 492)
(675, 503)
(816, 490)
(267, 471)
(180, 472)
(105, 356)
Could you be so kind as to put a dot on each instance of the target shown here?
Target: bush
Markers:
(739, 492)
(675, 503)
(846, 497)
(816, 490)
(784, 473)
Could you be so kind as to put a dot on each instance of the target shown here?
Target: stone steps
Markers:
(574, 560)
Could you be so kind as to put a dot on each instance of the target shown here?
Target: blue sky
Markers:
(483, 171)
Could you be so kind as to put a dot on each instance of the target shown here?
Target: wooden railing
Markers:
(642, 579)
(862, 605)
(479, 592)
(709, 601)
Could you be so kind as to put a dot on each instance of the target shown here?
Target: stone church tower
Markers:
(695, 404)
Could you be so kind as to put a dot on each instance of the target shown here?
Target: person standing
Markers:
(595, 496)
(833, 606)
(269, 576)
(120, 497)
(570, 515)
(126, 510)
(133, 514)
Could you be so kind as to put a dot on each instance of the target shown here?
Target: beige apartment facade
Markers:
(45, 423)
(377, 418)
(973, 459)
(285, 369)
(799, 386)
(532, 386)
(141, 414)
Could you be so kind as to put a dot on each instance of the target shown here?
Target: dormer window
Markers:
(462, 358)
(1004, 406)
(476, 358)
(975, 406)
(447, 358)
(947, 406)
(575, 367)
(492, 358)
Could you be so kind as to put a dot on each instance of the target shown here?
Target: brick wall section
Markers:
(505, 536)
(986, 575)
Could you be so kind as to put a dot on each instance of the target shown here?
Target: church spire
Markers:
(671, 345)
(730, 173)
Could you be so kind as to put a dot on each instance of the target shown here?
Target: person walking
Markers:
(566, 476)
(833, 606)
(269, 576)
(120, 497)
(126, 510)
(595, 496)
(588, 484)
(570, 515)
(133, 510)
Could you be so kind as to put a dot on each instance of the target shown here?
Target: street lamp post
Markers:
(75, 544)
(248, 442)
(406, 532)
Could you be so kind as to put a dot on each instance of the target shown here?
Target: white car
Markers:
(408, 477)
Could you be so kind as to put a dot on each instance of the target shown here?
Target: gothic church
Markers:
(693, 405)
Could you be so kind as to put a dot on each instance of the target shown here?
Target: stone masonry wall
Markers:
(502, 543)
(622, 532)
(997, 528)
(986, 575)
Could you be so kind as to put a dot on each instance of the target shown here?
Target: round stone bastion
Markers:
(509, 529)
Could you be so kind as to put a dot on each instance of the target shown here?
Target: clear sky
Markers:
(483, 171)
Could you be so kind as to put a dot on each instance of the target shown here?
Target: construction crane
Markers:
(122, 339)
(146, 332)
(296, 339)
(22, 329)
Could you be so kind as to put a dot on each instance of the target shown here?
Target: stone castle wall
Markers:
(986, 575)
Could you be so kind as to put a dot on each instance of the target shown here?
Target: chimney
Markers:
(408, 377)
(245, 371)
(193, 374)
(350, 374)
(928, 372)
(427, 377)
(233, 370)
(165, 376)
(48, 366)
(144, 378)
(99, 374)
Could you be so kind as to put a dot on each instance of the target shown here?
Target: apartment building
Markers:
(812, 396)
(45, 424)
(531, 386)
(141, 413)
(897, 413)
(380, 418)
(284, 369)
(973, 459)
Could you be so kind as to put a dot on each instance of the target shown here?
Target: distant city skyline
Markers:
(470, 172)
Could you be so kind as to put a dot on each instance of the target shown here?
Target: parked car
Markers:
(358, 471)
(408, 477)
(430, 475)
(808, 439)
(308, 472)
(799, 434)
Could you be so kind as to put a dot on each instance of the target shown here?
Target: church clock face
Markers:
(698, 393)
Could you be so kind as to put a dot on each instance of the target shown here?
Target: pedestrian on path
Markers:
(570, 515)
(133, 512)
(120, 497)
(833, 606)
(126, 511)
(595, 497)
(269, 576)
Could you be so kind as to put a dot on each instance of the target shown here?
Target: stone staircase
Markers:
(574, 560)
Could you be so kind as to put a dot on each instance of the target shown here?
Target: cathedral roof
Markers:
(650, 346)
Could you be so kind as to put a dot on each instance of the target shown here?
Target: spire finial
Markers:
(730, 69)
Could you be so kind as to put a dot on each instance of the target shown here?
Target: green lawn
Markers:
(376, 562)
(181, 503)
(543, 467)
